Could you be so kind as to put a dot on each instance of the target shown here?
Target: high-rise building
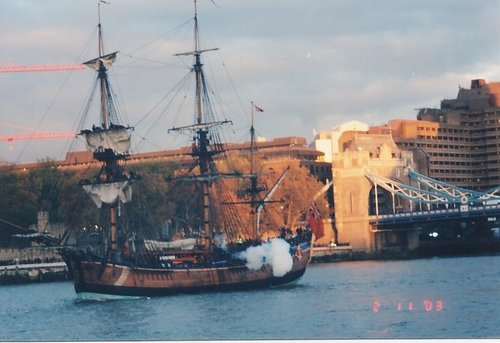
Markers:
(458, 143)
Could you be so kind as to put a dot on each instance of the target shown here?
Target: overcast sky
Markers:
(310, 64)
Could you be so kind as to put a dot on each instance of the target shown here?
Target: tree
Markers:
(18, 199)
(76, 209)
(296, 191)
(156, 201)
(153, 201)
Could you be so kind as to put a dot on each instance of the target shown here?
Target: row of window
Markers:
(452, 131)
(451, 171)
(451, 163)
(451, 154)
(459, 180)
(426, 128)
(430, 147)
(473, 139)
(442, 146)
(480, 116)
(463, 171)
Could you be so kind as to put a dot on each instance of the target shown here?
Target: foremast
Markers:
(110, 143)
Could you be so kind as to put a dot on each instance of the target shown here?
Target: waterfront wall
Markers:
(30, 273)
(10, 256)
(35, 264)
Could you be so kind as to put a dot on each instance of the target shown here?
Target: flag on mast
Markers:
(258, 109)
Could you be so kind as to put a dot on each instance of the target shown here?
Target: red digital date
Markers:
(410, 306)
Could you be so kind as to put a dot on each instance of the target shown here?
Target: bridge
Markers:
(435, 215)
(382, 202)
(449, 201)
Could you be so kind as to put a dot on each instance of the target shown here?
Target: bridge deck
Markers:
(435, 215)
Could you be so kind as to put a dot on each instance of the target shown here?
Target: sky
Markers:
(310, 64)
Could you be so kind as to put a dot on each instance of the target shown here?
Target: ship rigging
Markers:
(131, 265)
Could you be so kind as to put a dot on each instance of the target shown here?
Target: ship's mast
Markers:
(109, 143)
(202, 133)
(202, 151)
(198, 68)
(105, 123)
(253, 180)
(102, 71)
(103, 77)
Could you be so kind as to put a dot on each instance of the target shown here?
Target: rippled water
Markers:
(428, 298)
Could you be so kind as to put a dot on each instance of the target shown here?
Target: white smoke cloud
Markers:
(275, 253)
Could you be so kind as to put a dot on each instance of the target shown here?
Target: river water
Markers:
(425, 298)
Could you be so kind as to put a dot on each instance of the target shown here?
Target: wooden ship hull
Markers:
(94, 278)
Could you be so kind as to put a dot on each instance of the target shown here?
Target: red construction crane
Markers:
(33, 134)
(37, 135)
(15, 68)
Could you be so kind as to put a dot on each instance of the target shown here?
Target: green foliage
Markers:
(151, 204)
(45, 188)
(18, 200)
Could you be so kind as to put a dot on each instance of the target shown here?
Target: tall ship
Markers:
(228, 252)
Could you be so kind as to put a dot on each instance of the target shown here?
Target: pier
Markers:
(34, 264)
(33, 272)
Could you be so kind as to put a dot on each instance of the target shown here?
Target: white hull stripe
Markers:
(123, 277)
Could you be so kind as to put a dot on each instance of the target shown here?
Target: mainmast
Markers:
(102, 71)
(205, 144)
(198, 68)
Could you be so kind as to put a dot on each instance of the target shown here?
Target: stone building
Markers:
(354, 193)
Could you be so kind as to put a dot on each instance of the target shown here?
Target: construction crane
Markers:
(33, 134)
(15, 68)
(37, 135)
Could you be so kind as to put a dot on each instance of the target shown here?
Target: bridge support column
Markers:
(351, 192)
(352, 197)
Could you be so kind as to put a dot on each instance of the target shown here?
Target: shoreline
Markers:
(427, 249)
(24, 273)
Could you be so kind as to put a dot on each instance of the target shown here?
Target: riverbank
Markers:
(426, 249)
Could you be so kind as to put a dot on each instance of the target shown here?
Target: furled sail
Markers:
(107, 60)
(116, 139)
(109, 192)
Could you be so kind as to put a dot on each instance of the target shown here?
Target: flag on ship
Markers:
(257, 108)
(315, 221)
